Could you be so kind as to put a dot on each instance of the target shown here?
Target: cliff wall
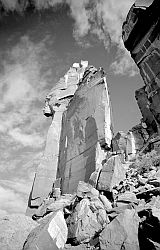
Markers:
(141, 36)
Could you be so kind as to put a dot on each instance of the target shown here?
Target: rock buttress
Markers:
(141, 36)
(86, 131)
(56, 103)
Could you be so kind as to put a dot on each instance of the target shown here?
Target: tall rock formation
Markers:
(85, 130)
(55, 104)
(80, 132)
(141, 36)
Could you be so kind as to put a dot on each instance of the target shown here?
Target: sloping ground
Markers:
(14, 230)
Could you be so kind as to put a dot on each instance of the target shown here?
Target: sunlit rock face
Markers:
(80, 132)
(56, 103)
(141, 36)
(86, 131)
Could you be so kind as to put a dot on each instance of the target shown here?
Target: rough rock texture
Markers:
(119, 142)
(148, 117)
(49, 235)
(86, 221)
(14, 230)
(136, 139)
(112, 173)
(121, 233)
(86, 131)
(124, 214)
(130, 143)
(56, 103)
(143, 42)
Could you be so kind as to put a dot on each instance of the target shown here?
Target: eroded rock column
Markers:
(86, 131)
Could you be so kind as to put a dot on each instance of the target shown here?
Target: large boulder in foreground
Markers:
(51, 234)
(14, 230)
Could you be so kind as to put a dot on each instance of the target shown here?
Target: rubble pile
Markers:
(122, 214)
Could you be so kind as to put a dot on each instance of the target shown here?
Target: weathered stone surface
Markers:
(148, 117)
(49, 235)
(136, 139)
(126, 197)
(107, 204)
(56, 103)
(52, 205)
(86, 131)
(85, 190)
(121, 233)
(113, 172)
(14, 230)
(86, 221)
(119, 142)
(143, 43)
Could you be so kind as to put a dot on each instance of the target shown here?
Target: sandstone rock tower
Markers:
(80, 133)
(141, 36)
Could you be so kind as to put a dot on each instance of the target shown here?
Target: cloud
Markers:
(14, 195)
(18, 185)
(124, 64)
(81, 17)
(21, 85)
(31, 140)
(45, 4)
(104, 19)
(12, 5)
(11, 201)
(101, 18)
(9, 4)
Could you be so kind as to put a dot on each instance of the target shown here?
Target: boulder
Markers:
(121, 232)
(107, 204)
(14, 230)
(127, 197)
(156, 208)
(113, 172)
(119, 142)
(86, 190)
(86, 221)
(49, 235)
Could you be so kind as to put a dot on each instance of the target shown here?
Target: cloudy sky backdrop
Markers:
(37, 47)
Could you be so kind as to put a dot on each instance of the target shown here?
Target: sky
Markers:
(38, 44)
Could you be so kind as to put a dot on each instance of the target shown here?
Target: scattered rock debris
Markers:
(125, 216)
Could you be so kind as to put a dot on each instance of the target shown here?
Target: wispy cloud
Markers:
(11, 201)
(21, 84)
(124, 64)
(31, 140)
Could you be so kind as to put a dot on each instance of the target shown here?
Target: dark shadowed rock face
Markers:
(148, 117)
(141, 36)
(85, 129)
